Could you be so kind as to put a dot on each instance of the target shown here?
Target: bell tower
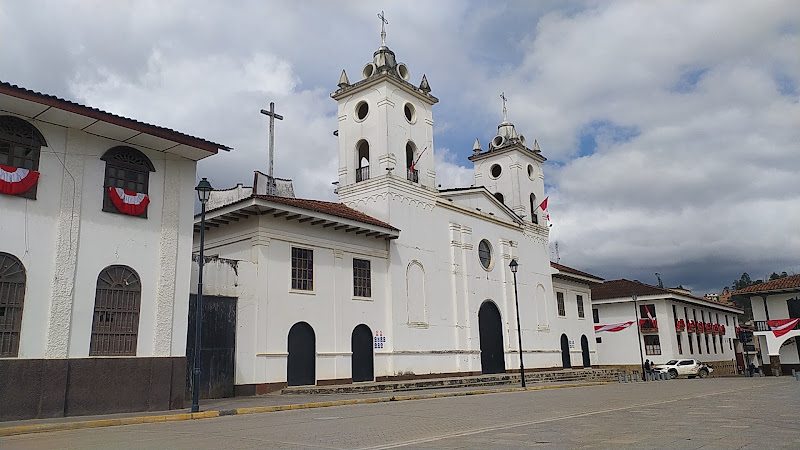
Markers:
(385, 128)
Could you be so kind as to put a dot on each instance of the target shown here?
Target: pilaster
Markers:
(167, 259)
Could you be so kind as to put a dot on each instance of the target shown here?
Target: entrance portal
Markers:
(300, 369)
(490, 328)
(565, 361)
(587, 361)
(362, 359)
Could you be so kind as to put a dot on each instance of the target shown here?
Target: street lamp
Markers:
(514, 266)
(203, 193)
(639, 333)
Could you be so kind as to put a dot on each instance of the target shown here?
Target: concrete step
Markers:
(577, 375)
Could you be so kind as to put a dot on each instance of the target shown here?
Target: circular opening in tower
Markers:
(402, 70)
(531, 172)
(410, 112)
(368, 70)
(498, 141)
(362, 109)
(496, 170)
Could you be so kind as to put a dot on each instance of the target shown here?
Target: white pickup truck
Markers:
(684, 368)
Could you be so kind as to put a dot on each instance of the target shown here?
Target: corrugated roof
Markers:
(67, 105)
(567, 269)
(334, 209)
(792, 282)
(624, 288)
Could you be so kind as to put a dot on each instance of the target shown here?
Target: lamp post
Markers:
(203, 192)
(514, 266)
(639, 333)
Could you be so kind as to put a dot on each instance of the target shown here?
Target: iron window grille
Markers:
(412, 175)
(362, 173)
(12, 297)
(115, 326)
(126, 168)
(580, 307)
(562, 311)
(485, 254)
(20, 146)
(362, 278)
(652, 345)
(302, 269)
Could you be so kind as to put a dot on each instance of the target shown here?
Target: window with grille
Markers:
(652, 345)
(485, 254)
(115, 326)
(362, 278)
(302, 269)
(562, 311)
(12, 295)
(580, 307)
(126, 168)
(20, 147)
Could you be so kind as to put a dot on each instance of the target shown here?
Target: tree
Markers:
(742, 282)
(776, 276)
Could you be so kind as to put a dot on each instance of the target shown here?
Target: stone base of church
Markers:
(41, 388)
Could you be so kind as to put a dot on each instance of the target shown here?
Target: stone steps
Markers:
(560, 376)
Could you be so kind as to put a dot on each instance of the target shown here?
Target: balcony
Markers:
(412, 175)
(362, 173)
(762, 325)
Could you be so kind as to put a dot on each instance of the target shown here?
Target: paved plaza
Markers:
(698, 413)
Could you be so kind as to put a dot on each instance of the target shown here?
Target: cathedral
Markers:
(398, 279)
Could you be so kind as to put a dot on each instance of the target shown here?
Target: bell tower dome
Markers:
(385, 127)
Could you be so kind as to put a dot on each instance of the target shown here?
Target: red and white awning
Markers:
(128, 202)
(15, 180)
(612, 327)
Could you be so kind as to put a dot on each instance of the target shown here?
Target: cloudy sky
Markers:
(672, 128)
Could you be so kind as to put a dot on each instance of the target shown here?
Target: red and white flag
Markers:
(128, 202)
(16, 180)
(649, 316)
(612, 327)
(543, 206)
(782, 326)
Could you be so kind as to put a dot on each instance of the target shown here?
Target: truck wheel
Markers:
(703, 373)
(673, 374)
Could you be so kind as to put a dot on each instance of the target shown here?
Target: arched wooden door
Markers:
(362, 360)
(587, 361)
(300, 365)
(565, 362)
(490, 328)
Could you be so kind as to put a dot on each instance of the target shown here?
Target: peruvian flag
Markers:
(128, 202)
(543, 206)
(15, 180)
(650, 317)
(782, 326)
(414, 164)
(612, 327)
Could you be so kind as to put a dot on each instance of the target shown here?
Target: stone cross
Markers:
(272, 117)
(505, 114)
(384, 22)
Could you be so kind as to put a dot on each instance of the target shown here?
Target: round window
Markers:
(485, 254)
(362, 109)
(496, 170)
(531, 172)
(410, 112)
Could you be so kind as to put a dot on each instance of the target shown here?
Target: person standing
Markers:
(647, 369)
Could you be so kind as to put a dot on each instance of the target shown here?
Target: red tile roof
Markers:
(792, 282)
(624, 288)
(66, 105)
(567, 269)
(334, 209)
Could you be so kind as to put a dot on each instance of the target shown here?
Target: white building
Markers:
(776, 315)
(672, 323)
(94, 280)
(399, 278)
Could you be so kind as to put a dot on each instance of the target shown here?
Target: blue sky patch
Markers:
(605, 132)
(688, 80)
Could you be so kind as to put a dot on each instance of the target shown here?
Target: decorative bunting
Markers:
(782, 326)
(15, 180)
(128, 202)
(612, 327)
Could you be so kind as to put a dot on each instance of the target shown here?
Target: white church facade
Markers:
(398, 279)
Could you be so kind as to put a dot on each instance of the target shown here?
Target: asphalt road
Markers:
(707, 413)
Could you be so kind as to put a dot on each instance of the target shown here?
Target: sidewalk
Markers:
(262, 404)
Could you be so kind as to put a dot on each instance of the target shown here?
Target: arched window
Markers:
(362, 148)
(115, 327)
(534, 216)
(411, 170)
(499, 197)
(20, 148)
(12, 295)
(128, 169)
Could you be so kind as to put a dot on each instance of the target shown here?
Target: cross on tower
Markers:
(272, 117)
(384, 22)
(505, 115)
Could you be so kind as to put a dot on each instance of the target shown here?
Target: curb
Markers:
(41, 428)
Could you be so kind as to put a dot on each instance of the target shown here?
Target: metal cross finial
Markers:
(384, 22)
(505, 114)
(272, 117)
